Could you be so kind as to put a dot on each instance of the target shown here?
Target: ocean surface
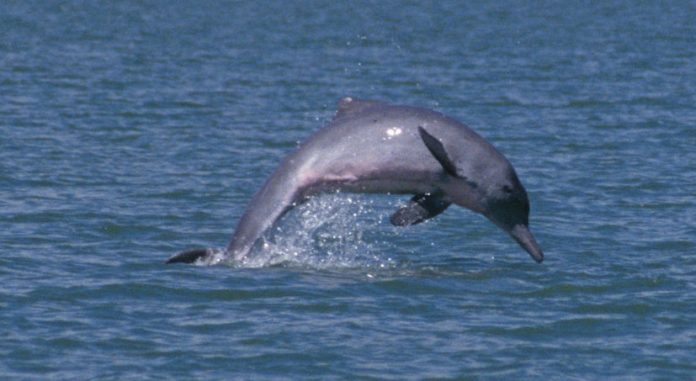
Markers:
(132, 130)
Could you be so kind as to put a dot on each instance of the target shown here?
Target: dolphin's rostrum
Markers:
(375, 147)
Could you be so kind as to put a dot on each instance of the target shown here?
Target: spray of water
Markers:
(330, 231)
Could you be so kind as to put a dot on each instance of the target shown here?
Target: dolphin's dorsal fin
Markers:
(420, 208)
(350, 106)
(438, 150)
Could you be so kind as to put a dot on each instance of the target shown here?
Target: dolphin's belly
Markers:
(390, 183)
(357, 164)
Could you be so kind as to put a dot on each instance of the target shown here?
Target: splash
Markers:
(329, 231)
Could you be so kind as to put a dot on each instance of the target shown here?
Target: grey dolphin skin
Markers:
(375, 147)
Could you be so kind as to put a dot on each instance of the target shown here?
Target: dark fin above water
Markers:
(420, 208)
(438, 150)
(190, 256)
(350, 106)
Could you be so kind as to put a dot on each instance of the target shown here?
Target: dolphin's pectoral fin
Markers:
(438, 150)
(420, 208)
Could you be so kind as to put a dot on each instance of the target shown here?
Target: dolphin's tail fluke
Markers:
(209, 256)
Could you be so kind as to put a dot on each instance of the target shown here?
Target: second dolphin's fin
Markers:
(420, 208)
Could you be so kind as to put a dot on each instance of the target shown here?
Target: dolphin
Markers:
(376, 147)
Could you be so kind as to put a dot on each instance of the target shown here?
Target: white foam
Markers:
(214, 256)
(330, 231)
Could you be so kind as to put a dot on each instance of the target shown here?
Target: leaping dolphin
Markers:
(376, 147)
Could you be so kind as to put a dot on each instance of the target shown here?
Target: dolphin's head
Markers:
(507, 206)
(488, 186)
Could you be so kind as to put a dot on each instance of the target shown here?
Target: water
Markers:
(130, 131)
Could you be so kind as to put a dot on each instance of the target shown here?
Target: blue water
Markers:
(130, 131)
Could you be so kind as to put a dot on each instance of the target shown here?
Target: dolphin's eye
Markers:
(507, 189)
